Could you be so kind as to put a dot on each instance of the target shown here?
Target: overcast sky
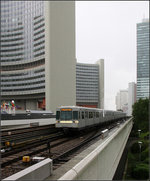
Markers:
(107, 29)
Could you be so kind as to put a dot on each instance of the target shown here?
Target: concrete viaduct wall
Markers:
(102, 162)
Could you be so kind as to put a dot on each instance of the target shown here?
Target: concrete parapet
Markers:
(102, 162)
(38, 171)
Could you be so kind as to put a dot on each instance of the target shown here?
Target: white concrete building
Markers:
(118, 101)
(122, 100)
(60, 61)
(131, 96)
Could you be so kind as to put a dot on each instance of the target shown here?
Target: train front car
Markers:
(67, 118)
(75, 118)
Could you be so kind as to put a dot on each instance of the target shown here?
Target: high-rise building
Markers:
(38, 53)
(90, 84)
(143, 59)
(122, 100)
(131, 96)
(118, 107)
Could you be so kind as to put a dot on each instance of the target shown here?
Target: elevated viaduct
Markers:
(100, 160)
(97, 162)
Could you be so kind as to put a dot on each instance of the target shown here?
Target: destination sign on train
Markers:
(66, 109)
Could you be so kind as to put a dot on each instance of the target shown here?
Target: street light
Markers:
(140, 145)
(139, 132)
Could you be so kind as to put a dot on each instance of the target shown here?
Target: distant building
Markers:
(90, 84)
(143, 59)
(118, 107)
(122, 100)
(131, 96)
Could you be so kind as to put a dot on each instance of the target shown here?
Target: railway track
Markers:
(24, 130)
(61, 150)
(14, 163)
(14, 138)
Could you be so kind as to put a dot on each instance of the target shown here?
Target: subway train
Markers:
(79, 118)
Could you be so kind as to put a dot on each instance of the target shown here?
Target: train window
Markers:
(90, 115)
(86, 114)
(93, 114)
(82, 115)
(66, 115)
(97, 114)
(75, 114)
(57, 115)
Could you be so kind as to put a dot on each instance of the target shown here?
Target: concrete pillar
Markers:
(101, 83)
(60, 62)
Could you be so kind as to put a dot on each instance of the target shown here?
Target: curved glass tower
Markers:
(25, 60)
(22, 51)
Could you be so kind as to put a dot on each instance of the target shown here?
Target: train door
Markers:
(80, 119)
(83, 118)
(101, 117)
(76, 118)
(97, 117)
(90, 118)
(86, 117)
(94, 118)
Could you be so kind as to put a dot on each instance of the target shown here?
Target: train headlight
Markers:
(76, 121)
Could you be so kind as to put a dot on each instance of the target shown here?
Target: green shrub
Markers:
(140, 171)
(144, 135)
(145, 154)
(146, 161)
(135, 148)
(131, 156)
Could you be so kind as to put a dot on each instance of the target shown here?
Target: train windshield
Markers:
(66, 115)
(57, 115)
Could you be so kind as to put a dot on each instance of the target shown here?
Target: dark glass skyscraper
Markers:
(143, 59)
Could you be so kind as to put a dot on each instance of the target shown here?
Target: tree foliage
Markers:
(138, 159)
(140, 171)
(141, 114)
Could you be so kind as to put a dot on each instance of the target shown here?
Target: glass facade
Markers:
(143, 59)
(87, 85)
(22, 49)
(23, 58)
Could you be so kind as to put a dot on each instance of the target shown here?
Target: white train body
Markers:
(75, 117)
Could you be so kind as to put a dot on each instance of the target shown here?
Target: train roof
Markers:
(78, 107)
(88, 108)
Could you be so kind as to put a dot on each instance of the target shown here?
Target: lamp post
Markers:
(139, 132)
(140, 145)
